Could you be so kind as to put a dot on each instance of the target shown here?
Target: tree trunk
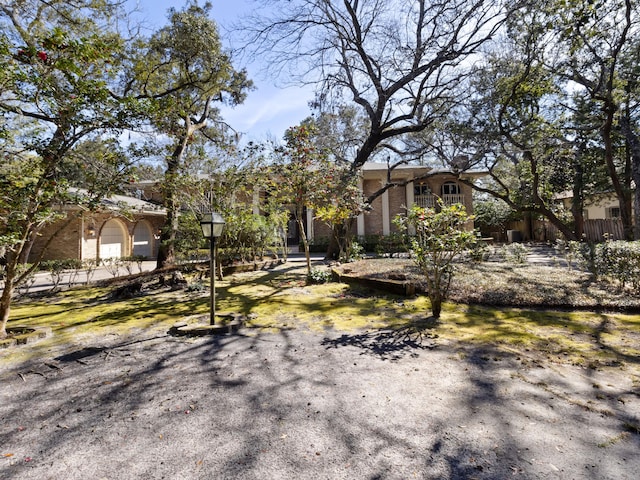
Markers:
(167, 253)
(634, 147)
(305, 244)
(5, 304)
(577, 202)
(624, 198)
(340, 240)
(436, 304)
(333, 249)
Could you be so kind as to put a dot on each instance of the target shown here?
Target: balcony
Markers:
(430, 201)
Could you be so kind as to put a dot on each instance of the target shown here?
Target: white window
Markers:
(613, 212)
(450, 188)
(421, 189)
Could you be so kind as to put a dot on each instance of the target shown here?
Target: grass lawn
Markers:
(586, 334)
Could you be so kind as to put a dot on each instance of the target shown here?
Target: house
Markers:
(128, 225)
(416, 184)
(601, 212)
(123, 226)
(600, 206)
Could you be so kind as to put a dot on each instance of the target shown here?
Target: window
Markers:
(613, 212)
(421, 189)
(450, 188)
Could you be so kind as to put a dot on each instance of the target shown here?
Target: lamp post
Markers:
(211, 225)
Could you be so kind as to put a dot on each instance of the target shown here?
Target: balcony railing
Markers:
(430, 201)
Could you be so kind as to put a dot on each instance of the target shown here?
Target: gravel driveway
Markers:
(306, 405)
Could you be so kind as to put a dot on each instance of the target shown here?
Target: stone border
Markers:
(226, 323)
(399, 287)
(32, 335)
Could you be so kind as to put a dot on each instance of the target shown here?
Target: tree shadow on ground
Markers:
(391, 344)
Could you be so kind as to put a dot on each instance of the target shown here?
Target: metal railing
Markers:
(430, 201)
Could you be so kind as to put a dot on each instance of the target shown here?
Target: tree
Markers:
(182, 71)
(337, 134)
(302, 178)
(514, 129)
(527, 127)
(59, 62)
(492, 215)
(594, 41)
(399, 63)
(440, 237)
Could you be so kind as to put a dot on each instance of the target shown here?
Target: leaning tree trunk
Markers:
(167, 253)
(5, 299)
(5, 308)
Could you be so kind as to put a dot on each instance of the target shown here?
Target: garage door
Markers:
(112, 240)
(142, 240)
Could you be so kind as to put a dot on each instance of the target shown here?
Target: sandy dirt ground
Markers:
(312, 405)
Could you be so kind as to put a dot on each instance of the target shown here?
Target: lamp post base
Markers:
(225, 323)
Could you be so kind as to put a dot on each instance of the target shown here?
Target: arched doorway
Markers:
(142, 240)
(112, 240)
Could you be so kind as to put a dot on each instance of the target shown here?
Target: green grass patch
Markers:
(282, 300)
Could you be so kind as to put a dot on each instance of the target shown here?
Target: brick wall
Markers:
(66, 243)
(373, 218)
(71, 240)
(397, 204)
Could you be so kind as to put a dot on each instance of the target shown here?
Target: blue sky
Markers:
(268, 110)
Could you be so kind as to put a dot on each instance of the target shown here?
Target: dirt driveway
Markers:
(305, 405)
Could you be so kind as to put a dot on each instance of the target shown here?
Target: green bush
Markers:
(581, 253)
(620, 261)
(355, 252)
(515, 253)
(128, 262)
(196, 286)
(383, 245)
(57, 268)
(319, 245)
(317, 275)
(247, 236)
(479, 252)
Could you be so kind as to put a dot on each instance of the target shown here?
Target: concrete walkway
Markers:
(538, 255)
(43, 280)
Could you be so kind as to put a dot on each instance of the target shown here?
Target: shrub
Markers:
(196, 286)
(384, 244)
(319, 245)
(515, 253)
(128, 262)
(112, 265)
(620, 261)
(355, 252)
(440, 237)
(317, 275)
(479, 252)
(582, 253)
(89, 267)
(57, 268)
